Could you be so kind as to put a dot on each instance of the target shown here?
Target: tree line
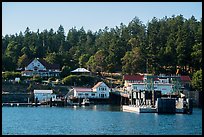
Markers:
(161, 46)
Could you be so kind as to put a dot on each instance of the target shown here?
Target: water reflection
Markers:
(97, 108)
(96, 120)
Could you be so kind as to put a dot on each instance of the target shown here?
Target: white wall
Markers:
(129, 82)
(83, 94)
(164, 88)
(164, 80)
(100, 92)
(91, 94)
(43, 96)
(138, 87)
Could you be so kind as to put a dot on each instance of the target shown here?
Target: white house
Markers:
(44, 95)
(42, 68)
(100, 90)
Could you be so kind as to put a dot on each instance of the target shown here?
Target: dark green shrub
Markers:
(10, 75)
(81, 80)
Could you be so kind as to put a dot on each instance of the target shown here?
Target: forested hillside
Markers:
(160, 46)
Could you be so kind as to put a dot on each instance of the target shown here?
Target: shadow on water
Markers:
(98, 107)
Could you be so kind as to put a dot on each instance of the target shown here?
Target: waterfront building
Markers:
(165, 88)
(42, 68)
(44, 95)
(165, 84)
(100, 90)
(129, 79)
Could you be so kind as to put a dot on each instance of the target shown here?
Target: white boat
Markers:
(85, 102)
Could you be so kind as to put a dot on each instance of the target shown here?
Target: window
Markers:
(86, 94)
(35, 68)
(102, 95)
(92, 94)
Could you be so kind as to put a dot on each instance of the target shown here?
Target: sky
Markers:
(16, 16)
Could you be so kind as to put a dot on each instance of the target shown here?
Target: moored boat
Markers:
(85, 102)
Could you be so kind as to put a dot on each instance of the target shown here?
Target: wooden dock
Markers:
(163, 105)
(17, 104)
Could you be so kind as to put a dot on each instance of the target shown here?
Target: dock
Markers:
(163, 106)
(139, 109)
(17, 104)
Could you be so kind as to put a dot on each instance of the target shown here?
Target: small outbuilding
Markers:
(44, 95)
(81, 71)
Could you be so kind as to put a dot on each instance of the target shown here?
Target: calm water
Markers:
(96, 120)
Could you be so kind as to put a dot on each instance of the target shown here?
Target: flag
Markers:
(182, 95)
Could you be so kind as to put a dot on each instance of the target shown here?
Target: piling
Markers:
(51, 102)
(189, 106)
(36, 101)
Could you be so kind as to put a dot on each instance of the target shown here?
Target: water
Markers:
(96, 120)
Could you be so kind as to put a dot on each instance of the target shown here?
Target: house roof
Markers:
(82, 89)
(80, 70)
(97, 85)
(185, 78)
(133, 77)
(43, 91)
(48, 65)
(45, 63)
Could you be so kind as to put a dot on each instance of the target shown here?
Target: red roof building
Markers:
(134, 77)
(185, 78)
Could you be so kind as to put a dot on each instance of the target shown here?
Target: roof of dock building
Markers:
(36, 91)
(133, 77)
(156, 78)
